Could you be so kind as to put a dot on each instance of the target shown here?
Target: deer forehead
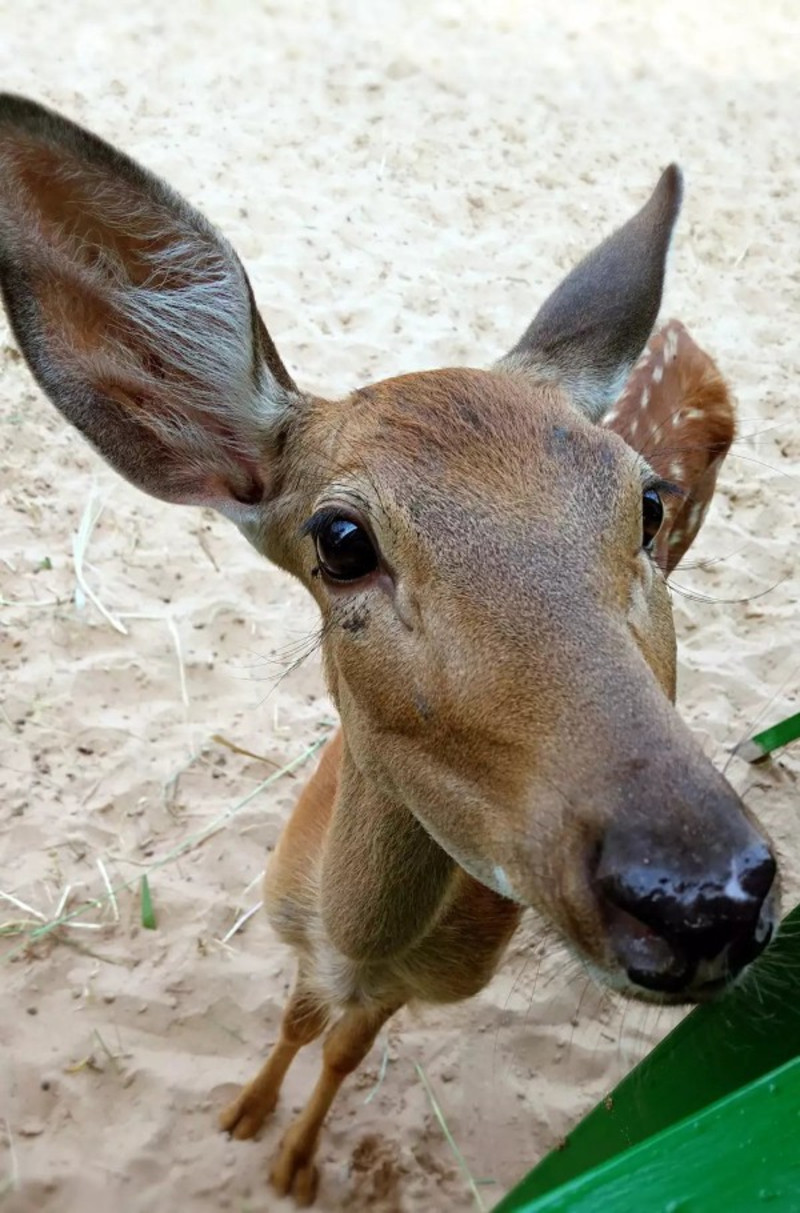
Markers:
(442, 454)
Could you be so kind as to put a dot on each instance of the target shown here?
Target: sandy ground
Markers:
(404, 184)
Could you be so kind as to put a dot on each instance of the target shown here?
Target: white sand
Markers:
(404, 183)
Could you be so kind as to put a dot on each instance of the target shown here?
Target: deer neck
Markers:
(385, 881)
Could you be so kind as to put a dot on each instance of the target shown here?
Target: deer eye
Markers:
(652, 517)
(345, 550)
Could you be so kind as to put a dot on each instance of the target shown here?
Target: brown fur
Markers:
(505, 674)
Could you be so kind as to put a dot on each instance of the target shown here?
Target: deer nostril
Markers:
(648, 958)
(757, 873)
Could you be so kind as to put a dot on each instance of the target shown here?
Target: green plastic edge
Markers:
(739, 1155)
(780, 734)
(714, 1051)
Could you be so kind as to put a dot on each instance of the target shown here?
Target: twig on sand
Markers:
(459, 1157)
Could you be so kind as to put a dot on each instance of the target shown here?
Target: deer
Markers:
(488, 549)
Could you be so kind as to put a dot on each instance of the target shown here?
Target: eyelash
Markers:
(316, 524)
(665, 488)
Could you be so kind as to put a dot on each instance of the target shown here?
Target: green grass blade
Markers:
(148, 914)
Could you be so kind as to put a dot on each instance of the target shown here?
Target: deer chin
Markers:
(615, 978)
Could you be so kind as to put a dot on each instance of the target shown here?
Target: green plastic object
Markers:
(714, 1051)
(738, 1156)
(761, 746)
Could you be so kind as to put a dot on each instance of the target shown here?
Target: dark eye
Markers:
(652, 517)
(344, 549)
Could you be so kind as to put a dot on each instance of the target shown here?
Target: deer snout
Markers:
(685, 932)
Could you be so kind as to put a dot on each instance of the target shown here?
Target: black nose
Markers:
(664, 924)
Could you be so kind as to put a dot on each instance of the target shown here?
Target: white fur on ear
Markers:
(593, 394)
(136, 316)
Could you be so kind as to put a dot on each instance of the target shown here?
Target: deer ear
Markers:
(136, 317)
(594, 326)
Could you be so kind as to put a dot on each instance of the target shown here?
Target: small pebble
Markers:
(31, 1128)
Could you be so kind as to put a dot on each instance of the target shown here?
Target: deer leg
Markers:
(303, 1021)
(346, 1045)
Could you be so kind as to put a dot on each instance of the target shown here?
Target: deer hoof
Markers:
(294, 1173)
(245, 1116)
